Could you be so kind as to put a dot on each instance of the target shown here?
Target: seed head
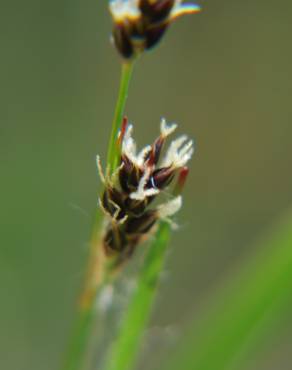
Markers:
(138, 25)
(137, 182)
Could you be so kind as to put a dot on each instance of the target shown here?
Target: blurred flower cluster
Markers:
(140, 24)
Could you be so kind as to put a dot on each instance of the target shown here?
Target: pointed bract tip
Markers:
(182, 178)
(123, 130)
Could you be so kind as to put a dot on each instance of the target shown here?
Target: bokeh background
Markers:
(224, 75)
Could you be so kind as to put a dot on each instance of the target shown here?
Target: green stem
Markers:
(85, 316)
(113, 151)
(79, 340)
(123, 351)
(97, 270)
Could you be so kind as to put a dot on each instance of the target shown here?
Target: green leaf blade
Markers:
(240, 305)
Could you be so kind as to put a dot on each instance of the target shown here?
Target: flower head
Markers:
(140, 24)
(138, 181)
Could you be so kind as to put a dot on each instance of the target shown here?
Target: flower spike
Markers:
(138, 180)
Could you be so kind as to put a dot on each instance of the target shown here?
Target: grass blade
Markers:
(236, 310)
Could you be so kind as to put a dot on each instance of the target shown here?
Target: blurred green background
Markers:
(224, 75)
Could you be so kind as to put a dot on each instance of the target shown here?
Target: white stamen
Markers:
(141, 193)
(179, 152)
(130, 150)
(141, 156)
(167, 129)
(129, 145)
(170, 208)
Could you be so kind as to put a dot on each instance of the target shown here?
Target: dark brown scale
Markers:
(125, 173)
(154, 155)
(123, 179)
(115, 240)
(123, 41)
(135, 177)
(142, 224)
(122, 239)
(154, 34)
(106, 204)
(157, 148)
(111, 197)
(161, 178)
(156, 11)
(138, 35)
(136, 207)
(129, 175)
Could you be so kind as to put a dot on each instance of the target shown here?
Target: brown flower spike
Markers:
(133, 187)
(140, 24)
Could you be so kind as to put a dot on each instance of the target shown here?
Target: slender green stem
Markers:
(79, 340)
(113, 151)
(98, 268)
(123, 351)
(84, 318)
